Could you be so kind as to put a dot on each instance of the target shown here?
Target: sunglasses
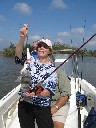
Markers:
(43, 45)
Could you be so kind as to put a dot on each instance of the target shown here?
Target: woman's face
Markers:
(43, 50)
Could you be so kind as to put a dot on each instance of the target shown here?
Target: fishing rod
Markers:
(39, 84)
(79, 99)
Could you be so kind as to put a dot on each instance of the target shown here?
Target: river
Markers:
(9, 71)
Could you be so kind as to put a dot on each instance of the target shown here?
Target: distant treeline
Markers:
(57, 48)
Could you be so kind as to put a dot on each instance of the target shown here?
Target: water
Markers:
(9, 71)
(87, 67)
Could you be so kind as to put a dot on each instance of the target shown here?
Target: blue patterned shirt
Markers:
(40, 72)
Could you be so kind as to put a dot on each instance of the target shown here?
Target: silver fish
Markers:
(25, 78)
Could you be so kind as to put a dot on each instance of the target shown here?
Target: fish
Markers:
(25, 78)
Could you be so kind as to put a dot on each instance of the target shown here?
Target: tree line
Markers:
(57, 48)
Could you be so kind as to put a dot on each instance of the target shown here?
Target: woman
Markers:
(37, 104)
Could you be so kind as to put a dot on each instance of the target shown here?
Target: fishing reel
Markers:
(80, 100)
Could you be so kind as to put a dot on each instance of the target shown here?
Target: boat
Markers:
(9, 105)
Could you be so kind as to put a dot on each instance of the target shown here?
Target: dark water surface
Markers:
(9, 71)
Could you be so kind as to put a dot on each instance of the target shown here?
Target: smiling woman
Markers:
(35, 104)
(44, 48)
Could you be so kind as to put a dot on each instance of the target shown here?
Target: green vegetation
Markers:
(57, 48)
(10, 51)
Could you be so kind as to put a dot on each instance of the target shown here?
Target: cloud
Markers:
(78, 30)
(64, 34)
(58, 4)
(2, 18)
(94, 26)
(1, 40)
(34, 38)
(23, 8)
(3, 43)
(92, 43)
(60, 40)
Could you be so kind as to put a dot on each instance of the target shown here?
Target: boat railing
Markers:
(8, 106)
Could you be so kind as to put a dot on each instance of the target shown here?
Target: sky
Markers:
(64, 21)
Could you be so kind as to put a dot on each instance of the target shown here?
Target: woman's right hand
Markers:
(29, 94)
(24, 31)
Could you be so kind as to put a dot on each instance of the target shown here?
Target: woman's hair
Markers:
(50, 51)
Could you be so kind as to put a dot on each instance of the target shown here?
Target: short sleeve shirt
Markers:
(41, 72)
(63, 87)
